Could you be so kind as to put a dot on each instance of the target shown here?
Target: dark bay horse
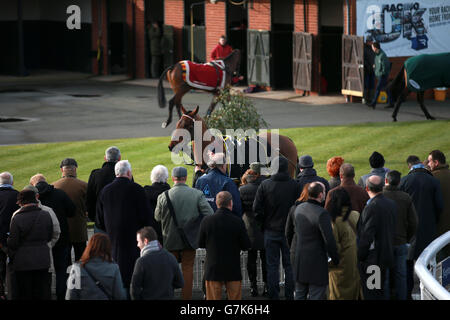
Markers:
(418, 74)
(285, 147)
(180, 87)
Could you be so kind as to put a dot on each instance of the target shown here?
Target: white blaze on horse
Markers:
(186, 75)
(419, 73)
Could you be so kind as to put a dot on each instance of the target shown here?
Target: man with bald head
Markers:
(376, 233)
(358, 196)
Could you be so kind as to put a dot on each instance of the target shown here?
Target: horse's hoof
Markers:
(163, 125)
(394, 119)
(431, 118)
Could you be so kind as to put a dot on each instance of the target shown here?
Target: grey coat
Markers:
(80, 286)
(188, 203)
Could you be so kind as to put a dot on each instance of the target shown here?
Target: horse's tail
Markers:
(397, 85)
(161, 94)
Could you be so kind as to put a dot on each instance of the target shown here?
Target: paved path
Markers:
(77, 108)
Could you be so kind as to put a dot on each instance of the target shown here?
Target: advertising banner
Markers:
(405, 28)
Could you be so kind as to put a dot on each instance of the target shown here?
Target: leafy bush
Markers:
(234, 111)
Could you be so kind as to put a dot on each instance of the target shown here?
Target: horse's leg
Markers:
(420, 98)
(212, 105)
(401, 97)
(169, 119)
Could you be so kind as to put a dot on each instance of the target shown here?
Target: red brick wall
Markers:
(215, 23)
(312, 16)
(140, 39)
(174, 16)
(259, 18)
(352, 24)
(95, 36)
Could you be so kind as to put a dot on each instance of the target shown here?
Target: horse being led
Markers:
(419, 73)
(186, 75)
(286, 146)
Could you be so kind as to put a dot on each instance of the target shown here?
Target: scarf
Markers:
(150, 247)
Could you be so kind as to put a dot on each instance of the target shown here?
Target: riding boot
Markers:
(265, 291)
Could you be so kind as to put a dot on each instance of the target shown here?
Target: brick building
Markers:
(287, 44)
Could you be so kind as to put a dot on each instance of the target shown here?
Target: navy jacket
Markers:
(214, 182)
(425, 191)
(8, 205)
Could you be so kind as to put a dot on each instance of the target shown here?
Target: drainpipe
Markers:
(304, 15)
(21, 62)
(348, 17)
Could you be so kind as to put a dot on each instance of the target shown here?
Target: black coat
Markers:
(63, 207)
(376, 232)
(122, 209)
(291, 235)
(8, 205)
(248, 193)
(406, 215)
(98, 179)
(426, 193)
(223, 235)
(156, 275)
(314, 241)
(31, 230)
(274, 198)
(152, 192)
(309, 175)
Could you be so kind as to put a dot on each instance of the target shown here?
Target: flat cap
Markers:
(306, 161)
(179, 172)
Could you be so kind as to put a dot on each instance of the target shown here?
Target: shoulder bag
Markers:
(189, 232)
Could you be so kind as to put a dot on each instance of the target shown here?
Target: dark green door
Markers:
(199, 43)
(258, 61)
(167, 46)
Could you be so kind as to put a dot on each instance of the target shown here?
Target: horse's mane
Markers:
(228, 57)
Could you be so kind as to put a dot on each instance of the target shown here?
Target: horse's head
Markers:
(233, 62)
(186, 122)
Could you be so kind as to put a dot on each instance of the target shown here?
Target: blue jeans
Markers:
(397, 274)
(382, 82)
(274, 243)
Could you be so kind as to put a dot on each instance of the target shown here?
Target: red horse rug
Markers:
(204, 76)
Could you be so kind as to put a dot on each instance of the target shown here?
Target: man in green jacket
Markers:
(187, 203)
(440, 170)
(382, 69)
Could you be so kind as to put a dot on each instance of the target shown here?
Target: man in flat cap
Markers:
(187, 203)
(76, 190)
(308, 174)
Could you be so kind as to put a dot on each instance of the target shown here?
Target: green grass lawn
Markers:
(355, 143)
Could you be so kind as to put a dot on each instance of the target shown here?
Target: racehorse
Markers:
(176, 75)
(418, 74)
(286, 146)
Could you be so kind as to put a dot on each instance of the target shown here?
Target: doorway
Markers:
(117, 36)
(237, 24)
(331, 30)
(281, 43)
(154, 12)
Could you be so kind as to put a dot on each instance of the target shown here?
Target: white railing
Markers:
(430, 288)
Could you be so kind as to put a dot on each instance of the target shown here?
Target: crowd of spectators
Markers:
(336, 239)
